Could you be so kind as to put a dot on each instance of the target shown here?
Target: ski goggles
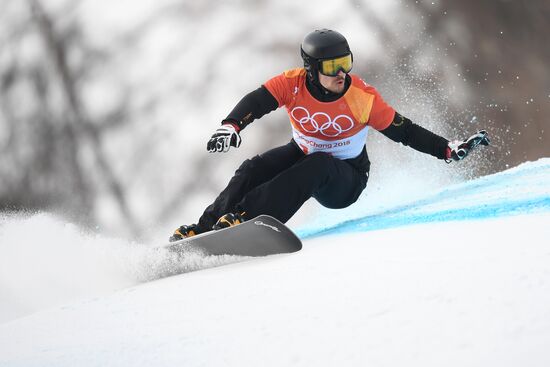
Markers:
(333, 66)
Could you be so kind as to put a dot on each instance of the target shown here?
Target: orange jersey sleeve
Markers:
(283, 85)
(381, 114)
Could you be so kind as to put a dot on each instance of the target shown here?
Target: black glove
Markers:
(458, 150)
(227, 135)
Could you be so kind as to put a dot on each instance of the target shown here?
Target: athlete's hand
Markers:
(226, 136)
(458, 150)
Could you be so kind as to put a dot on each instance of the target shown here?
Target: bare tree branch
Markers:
(81, 124)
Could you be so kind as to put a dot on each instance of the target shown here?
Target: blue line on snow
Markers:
(407, 216)
(521, 190)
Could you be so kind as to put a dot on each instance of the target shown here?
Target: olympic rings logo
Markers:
(320, 122)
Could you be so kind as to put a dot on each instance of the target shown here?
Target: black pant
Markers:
(279, 181)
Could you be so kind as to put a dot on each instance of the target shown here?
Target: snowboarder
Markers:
(330, 111)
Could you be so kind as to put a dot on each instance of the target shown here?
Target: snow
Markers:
(421, 283)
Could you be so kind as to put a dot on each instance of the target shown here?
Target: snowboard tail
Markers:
(261, 236)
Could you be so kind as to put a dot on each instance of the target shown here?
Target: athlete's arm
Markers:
(403, 130)
(251, 107)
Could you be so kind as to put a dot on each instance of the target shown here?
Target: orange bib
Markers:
(339, 127)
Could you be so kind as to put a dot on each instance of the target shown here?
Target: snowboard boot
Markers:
(229, 220)
(184, 231)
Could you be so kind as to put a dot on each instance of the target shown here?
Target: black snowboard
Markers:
(261, 236)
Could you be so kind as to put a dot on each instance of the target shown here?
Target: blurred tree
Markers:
(52, 152)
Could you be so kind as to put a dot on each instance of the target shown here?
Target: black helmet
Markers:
(322, 44)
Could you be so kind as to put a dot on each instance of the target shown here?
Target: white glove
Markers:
(225, 136)
(458, 150)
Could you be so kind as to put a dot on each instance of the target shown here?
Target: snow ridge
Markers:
(520, 190)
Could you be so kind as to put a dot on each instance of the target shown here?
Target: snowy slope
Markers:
(459, 278)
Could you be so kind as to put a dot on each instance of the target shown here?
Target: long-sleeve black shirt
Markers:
(402, 130)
